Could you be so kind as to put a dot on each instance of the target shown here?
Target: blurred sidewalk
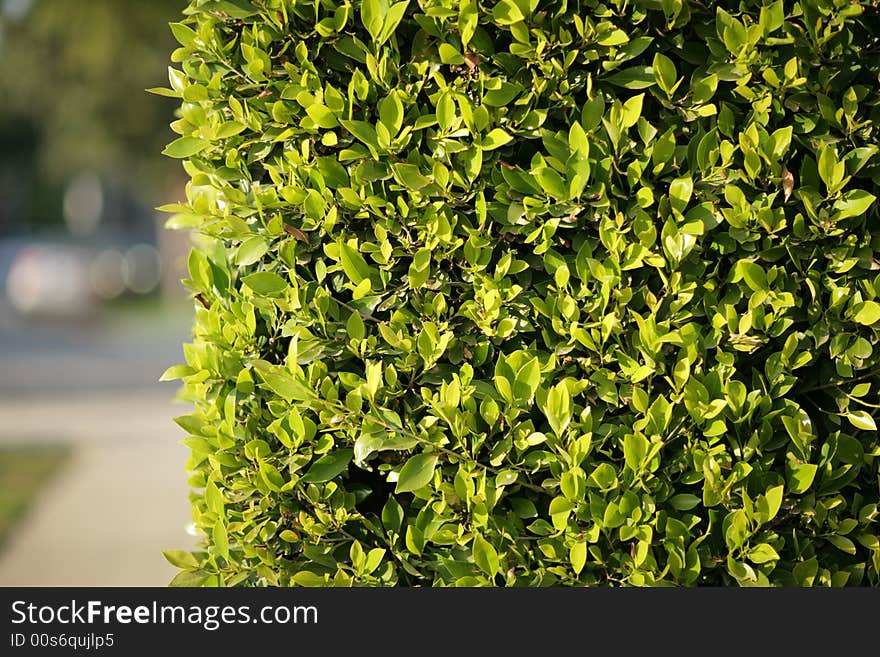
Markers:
(118, 502)
(122, 497)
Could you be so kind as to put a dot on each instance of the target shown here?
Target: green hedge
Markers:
(531, 293)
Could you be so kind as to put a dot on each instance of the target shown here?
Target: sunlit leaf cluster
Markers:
(525, 293)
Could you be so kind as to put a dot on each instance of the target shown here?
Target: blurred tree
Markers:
(72, 83)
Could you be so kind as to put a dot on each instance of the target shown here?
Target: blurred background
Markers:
(92, 476)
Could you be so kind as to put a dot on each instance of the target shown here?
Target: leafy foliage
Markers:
(528, 294)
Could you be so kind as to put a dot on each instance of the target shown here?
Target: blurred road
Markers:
(122, 497)
(128, 349)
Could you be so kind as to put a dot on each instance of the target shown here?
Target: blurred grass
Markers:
(23, 472)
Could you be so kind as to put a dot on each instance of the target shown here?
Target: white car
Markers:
(49, 279)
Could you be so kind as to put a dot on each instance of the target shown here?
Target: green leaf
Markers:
(684, 501)
(613, 38)
(177, 372)
(450, 56)
(735, 36)
(853, 204)
(288, 536)
(495, 139)
(410, 176)
(309, 579)
(287, 386)
(842, 543)
(603, 477)
(185, 147)
(523, 508)
(507, 12)
(503, 96)
(665, 74)
(162, 91)
(557, 408)
(190, 423)
(861, 420)
(637, 77)
(781, 140)
(195, 93)
(328, 466)
(703, 89)
(635, 449)
(232, 8)
(356, 554)
(799, 428)
(551, 182)
(373, 16)
(752, 273)
(560, 506)
(631, 111)
(271, 477)
(251, 250)
(185, 35)
(774, 501)
(355, 326)
(831, 170)
(178, 79)
(392, 515)
(353, 263)
(505, 478)
(446, 111)
(468, 17)
(867, 313)
(527, 379)
(362, 131)
(266, 283)
(578, 141)
(392, 20)
(374, 559)
(221, 539)
(680, 191)
(485, 556)
(800, 476)
(368, 443)
(772, 17)
(577, 556)
(361, 290)
(391, 113)
(181, 559)
(870, 541)
(322, 115)
(214, 498)
(763, 553)
(416, 473)
(314, 205)
(192, 579)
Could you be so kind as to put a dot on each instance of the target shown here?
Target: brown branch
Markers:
(837, 384)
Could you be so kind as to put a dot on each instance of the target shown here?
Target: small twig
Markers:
(859, 401)
(355, 310)
(835, 384)
(819, 408)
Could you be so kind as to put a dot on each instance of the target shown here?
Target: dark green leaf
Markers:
(328, 466)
